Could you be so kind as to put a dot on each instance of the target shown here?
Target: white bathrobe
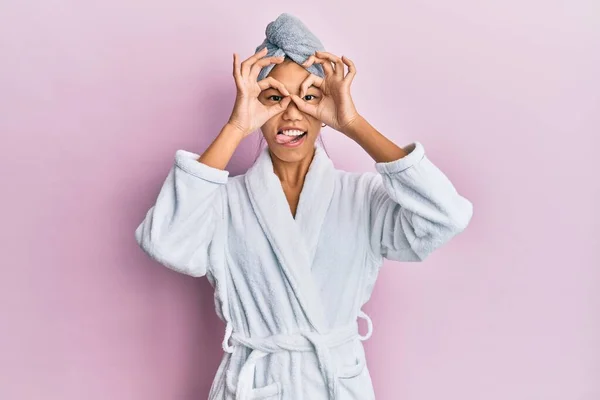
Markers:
(289, 289)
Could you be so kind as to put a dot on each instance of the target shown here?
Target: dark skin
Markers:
(269, 104)
(291, 165)
(316, 99)
(293, 197)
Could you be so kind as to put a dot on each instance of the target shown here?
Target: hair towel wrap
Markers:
(288, 36)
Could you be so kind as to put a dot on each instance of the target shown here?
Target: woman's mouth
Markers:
(290, 138)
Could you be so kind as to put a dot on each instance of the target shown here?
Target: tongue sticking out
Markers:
(283, 139)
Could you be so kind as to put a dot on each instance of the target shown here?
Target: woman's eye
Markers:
(274, 97)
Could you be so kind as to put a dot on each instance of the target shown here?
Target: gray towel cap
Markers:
(288, 36)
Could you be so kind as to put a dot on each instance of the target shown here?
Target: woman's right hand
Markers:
(249, 113)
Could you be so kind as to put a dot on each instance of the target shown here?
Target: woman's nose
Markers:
(292, 111)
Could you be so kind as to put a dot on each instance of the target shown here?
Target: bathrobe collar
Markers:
(294, 240)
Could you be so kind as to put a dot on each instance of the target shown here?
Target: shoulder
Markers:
(356, 184)
(356, 180)
(236, 184)
(236, 180)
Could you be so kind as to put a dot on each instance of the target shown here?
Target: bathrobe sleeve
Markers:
(413, 207)
(178, 229)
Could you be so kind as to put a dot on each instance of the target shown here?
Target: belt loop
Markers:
(226, 347)
(363, 315)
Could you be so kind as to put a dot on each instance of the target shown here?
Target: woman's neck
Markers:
(292, 174)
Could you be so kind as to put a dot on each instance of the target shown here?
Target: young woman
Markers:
(293, 247)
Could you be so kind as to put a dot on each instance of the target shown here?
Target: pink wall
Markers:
(96, 97)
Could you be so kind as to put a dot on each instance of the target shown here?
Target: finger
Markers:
(257, 66)
(270, 82)
(312, 60)
(236, 70)
(279, 107)
(339, 64)
(351, 69)
(251, 60)
(309, 61)
(327, 55)
(313, 80)
(326, 66)
(305, 107)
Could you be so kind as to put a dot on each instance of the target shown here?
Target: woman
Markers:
(293, 246)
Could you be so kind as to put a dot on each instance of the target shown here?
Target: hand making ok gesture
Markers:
(248, 112)
(336, 108)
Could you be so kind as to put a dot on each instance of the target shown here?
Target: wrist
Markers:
(231, 129)
(353, 128)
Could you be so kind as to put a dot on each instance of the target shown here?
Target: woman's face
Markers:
(291, 75)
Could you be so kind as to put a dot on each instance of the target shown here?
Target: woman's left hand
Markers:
(336, 108)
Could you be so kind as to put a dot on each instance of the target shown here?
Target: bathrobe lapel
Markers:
(294, 240)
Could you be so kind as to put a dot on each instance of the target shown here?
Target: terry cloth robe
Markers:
(289, 289)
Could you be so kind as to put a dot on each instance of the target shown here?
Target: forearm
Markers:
(380, 148)
(220, 151)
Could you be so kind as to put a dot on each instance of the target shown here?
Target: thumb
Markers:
(303, 106)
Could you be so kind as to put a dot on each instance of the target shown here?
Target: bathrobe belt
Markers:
(301, 341)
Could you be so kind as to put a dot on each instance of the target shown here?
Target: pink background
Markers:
(96, 97)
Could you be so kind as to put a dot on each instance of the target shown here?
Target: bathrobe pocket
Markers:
(271, 391)
(352, 364)
(353, 375)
